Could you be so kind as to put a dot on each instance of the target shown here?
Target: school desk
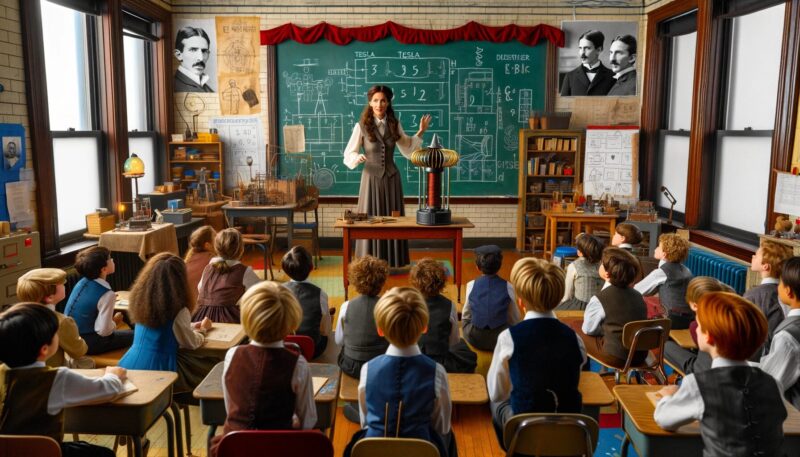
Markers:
(465, 389)
(404, 228)
(287, 211)
(579, 221)
(212, 403)
(131, 415)
(121, 301)
(650, 440)
(683, 338)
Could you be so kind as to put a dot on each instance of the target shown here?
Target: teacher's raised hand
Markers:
(424, 122)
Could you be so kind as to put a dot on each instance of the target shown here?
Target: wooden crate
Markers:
(97, 224)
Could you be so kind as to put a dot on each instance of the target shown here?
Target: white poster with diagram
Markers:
(245, 149)
(611, 161)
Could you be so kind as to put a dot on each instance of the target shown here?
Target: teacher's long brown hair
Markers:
(367, 118)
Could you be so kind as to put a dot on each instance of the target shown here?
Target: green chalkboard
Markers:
(479, 94)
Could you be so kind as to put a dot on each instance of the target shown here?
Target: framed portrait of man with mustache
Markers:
(599, 59)
(196, 58)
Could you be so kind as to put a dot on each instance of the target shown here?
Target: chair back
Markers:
(305, 343)
(394, 447)
(257, 443)
(18, 445)
(550, 434)
(647, 335)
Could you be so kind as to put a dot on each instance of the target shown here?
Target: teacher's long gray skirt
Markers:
(379, 196)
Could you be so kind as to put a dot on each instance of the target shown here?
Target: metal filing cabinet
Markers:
(19, 253)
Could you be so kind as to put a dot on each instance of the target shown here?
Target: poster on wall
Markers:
(243, 137)
(12, 140)
(196, 55)
(598, 59)
(238, 44)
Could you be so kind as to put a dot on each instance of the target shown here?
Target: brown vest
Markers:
(222, 289)
(194, 269)
(23, 403)
(621, 305)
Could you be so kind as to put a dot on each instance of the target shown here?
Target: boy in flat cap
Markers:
(46, 287)
(490, 306)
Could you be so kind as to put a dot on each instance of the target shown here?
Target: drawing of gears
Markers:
(323, 178)
(239, 56)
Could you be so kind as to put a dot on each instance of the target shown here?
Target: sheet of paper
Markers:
(318, 382)
(787, 194)
(18, 198)
(243, 137)
(222, 333)
(294, 138)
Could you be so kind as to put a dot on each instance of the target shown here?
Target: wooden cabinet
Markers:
(187, 158)
(549, 161)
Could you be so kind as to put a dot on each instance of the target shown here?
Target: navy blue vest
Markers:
(82, 304)
(545, 367)
(489, 301)
(392, 379)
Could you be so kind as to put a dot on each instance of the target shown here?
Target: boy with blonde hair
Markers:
(46, 286)
(266, 386)
(670, 279)
(543, 375)
(767, 261)
(404, 393)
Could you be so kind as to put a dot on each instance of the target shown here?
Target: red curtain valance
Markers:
(471, 31)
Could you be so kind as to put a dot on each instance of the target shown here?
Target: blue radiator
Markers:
(706, 263)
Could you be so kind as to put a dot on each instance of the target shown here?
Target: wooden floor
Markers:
(471, 424)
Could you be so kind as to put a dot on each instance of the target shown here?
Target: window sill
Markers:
(723, 244)
(66, 256)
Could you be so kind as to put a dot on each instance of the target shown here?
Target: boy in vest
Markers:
(91, 303)
(626, 236)
(670, 280)
(490, 306)
(32, 395)
(404, 393)
(783, 360)
(46, 286)
(739, 407)
(543, 374)
(316, 324)
(767, 261)
(613, 307)
(265, 385)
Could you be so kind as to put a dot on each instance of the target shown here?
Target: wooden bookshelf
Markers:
(210, 157)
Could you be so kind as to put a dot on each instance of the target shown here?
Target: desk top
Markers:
(151, 384)
(254, 208)
(211, 387)
(633, 400)
(465, 389)
(570, 314)
(585, 215)
(121, 300)
(683, 338)
(222, 337)
(162, 238)
(594, 390)
(405, 222)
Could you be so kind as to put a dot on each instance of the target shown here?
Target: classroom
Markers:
(486, 228)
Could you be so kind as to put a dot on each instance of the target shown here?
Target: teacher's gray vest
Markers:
(587, 279)
(379, 153)
(791, 325)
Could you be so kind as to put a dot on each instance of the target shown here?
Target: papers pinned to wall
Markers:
(294, 138)
(243, 137)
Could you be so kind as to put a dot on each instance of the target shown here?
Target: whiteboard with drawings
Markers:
(787, 194)
(611, 161)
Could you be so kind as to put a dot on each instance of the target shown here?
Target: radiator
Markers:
(707, 263)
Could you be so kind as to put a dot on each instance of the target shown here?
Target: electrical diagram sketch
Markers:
(610, 162)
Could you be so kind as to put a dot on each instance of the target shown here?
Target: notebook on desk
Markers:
(318, 382)
(222, 333)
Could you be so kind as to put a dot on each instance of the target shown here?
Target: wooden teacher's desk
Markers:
(131, 415)
(404, 228)
(580, 221)
(650, 440)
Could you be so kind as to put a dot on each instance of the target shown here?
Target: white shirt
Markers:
(569, 282)
(338, 336)
(650, 284)
(325, 322)
(304, 407)
(73, 389)
(440, 416)
(627, 70)
(187, 337)
(249, 279)
(513, 309)
(104, 325)
(687, 405)
(498, 379)
(783, 360)
(406, 144)
(594, 315)
(201, 80)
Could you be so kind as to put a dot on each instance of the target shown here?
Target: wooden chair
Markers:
(647, 335)
(550, 434)
(304, 343)
(264, 241)
(19, 445)
(257, 443)
(394, 447)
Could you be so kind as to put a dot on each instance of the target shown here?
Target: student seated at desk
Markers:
(613, 307)
(200, 253)
(265, 385)
(583, 279)
(91, 303)
(224, 281)
(404, 384)
(783, 360)
(740, 408)
(490, 306)
(442, 341)
(46, 286)
(297, 264)
(543, 375)
(670, 280)
(35, 395)
(160, 304)
(767, 262)
(688, 360)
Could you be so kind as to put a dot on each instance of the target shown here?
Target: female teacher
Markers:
(381, 191)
